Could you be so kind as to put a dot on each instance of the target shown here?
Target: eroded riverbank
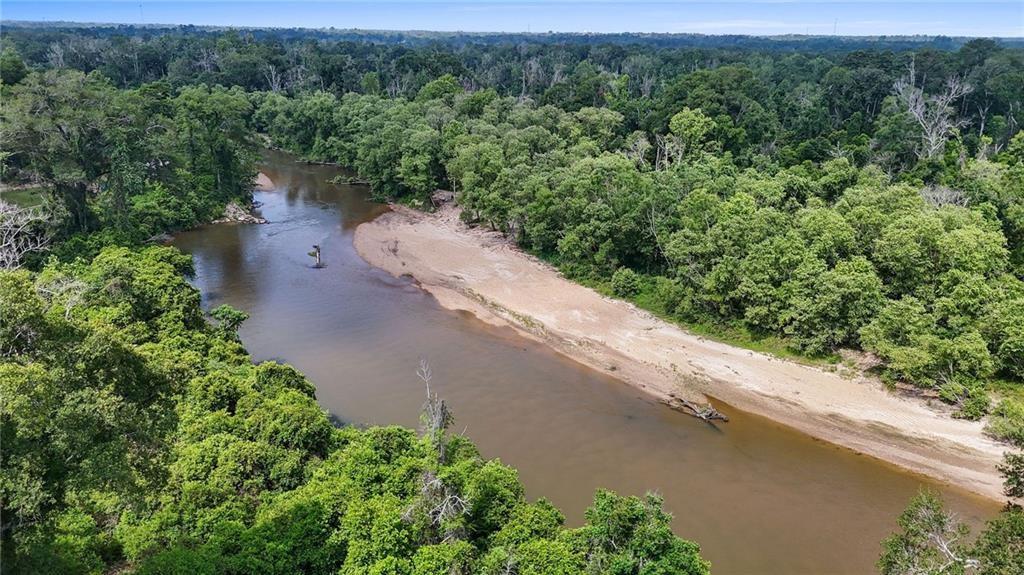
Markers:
(480, 272)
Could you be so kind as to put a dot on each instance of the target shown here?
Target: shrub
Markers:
(668, 292)
(625, 282)
(975, 406)
(968, 395)
(1007, 422)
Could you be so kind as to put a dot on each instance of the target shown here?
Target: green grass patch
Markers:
(24, 197)
(415, 202)
(1004, 388)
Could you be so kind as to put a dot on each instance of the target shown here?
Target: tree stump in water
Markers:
(316, 254)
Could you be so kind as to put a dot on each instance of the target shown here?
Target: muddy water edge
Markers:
(758, 497)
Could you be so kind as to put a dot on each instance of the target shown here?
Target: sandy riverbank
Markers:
(480, 272)
(264, 183)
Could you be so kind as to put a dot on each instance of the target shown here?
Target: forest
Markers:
(865, 196)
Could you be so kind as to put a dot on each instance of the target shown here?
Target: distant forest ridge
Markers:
(782, 43)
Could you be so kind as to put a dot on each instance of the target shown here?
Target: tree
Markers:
(446, 86)
(897, 137)
(54, 124)
(138, 434)
(419, 169)
(625, 282)
(12, 67)
(370, 83)
(85, 411)
(600, 125)
(631, 535)
(691, 128)
(1012, 469)
(831, 306)
(22, 231)
(212, 132)
(229, 318)
(930, 541)
(1000, 547)
(935, 114)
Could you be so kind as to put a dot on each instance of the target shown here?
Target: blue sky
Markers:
(865, 17)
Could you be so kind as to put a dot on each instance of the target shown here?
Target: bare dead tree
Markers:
(511, 566)
(399, 85)
(440, 505)
(935, 113)
(207, 60)
(436, 416)
(299, 78)
(769, 148)
(1012, 111)
(533, 74)
(136, 44)
(653, 222)
(983, 107)
(55, 55)
(637, 148)
(68, 291)
(938, 196)
(669, 149)
(22, 231)
(558, 75)
(659, 152)
(273, 76)
(647, 83)
(943, 531)
(643, 69)
(837, 151)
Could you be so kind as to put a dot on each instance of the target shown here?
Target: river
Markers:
(758, 497)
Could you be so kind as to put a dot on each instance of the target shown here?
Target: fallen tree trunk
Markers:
(706, 412)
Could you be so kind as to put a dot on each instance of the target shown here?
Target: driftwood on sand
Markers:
(707, 412)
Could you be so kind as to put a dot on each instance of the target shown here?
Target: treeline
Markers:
(41, 31)
(825, 97)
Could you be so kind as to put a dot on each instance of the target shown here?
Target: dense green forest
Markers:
(863, 196)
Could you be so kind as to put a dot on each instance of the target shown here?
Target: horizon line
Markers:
(55, 23)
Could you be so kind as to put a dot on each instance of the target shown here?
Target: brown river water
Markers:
(758, 497)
